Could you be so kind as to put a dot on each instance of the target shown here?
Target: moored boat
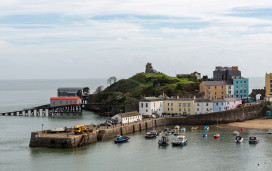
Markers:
(163, 141)
(205, 134)
(206, 128)
(269, 132)
(253, 140)
(176, 133)
(180, 141)
(216, 135)
(151, 135)
(159, 133)
(173, 131)
(183, 129)
(177, 127)
(236, 133)
(194, 128)
(121, 139)
(239, 139)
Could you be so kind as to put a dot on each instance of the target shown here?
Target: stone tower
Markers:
(149, 68)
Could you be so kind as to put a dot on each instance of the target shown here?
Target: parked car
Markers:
(105, 124)
(241, 105)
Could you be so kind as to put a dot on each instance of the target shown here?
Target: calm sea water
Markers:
(138, 154)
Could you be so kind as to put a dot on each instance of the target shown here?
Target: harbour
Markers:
(16, 154)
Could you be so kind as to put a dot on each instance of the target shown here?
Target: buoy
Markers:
(258, 164)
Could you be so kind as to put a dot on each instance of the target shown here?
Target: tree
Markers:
(179, 87)
(205, 78)
(98, 89)
(112, 80)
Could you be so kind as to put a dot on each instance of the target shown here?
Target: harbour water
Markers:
(138, 154)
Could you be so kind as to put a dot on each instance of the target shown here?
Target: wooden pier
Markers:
(46, 110)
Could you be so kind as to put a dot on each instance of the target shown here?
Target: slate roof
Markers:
(202, 100)
(71, 88)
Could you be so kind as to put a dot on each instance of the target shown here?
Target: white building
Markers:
(229, 91)
(203, 106)
(150, 106)
(128, 117)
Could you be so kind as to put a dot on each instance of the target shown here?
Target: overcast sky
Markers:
(41, 39)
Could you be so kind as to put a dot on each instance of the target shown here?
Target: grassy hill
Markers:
(121, 93)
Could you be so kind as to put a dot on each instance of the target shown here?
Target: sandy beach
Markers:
(251, 124)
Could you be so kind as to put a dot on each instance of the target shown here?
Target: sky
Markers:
(63, 39)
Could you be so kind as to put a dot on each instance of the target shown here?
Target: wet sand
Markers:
(265, 124)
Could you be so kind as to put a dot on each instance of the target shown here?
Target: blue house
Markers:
(219, 105)
(241, 87)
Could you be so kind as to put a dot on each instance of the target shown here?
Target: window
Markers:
(188, 104)
(171, 104)
(241, 82)
(142, 105)
(207, 109)
(215, 87)
(241, 91)
(222, 92)
(229, 87)
(146, 105)
(207, 104)
(197, 109)
(222, 87)
(171, 109)
(179, 105)
(197, 104)
(168, 104)
(168, 109)
(216, 104)
(209, 87)
(222, 103)
(154, 104)
(244, 91)
(180, 109)
(245, 82)
(184, 104)
(237, 82)
(146, 110)
(215, 97)
(219, 108)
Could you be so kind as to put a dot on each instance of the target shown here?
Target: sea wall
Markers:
(70, 140)
(61, 140)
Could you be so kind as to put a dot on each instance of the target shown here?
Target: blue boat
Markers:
(183, 129)
(206, 128)
(253, 140)
(121, 139)
(166, 129)
(180, 141)
(269, 132)
(205, 134)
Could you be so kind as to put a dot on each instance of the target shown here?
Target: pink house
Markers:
(232, 103)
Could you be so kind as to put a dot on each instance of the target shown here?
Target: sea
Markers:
(138, 154)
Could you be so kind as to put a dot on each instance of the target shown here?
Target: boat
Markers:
(194, 128)
(253, 140)
(205, 134)
(239, 139)
(183, 129)
(236, 133)
(173, 131)
(151, 135)
(166, 129)
(206, 128)
(176, 133)
(243, 129)
(177, 127)
(159, 133)
(163, 141)
(121, 139)
(180, 141)
(269, 132)
(216, 135)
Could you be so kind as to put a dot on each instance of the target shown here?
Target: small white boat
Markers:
(239, 139)
(269, 132)
(180, 141)
(183, 129)
(177, 127)
(236, 133)
(216, 136)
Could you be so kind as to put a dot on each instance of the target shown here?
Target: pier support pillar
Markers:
(46, 112)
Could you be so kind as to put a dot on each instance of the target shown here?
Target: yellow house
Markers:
(268, 84)
(179, 106)
(214, 89)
